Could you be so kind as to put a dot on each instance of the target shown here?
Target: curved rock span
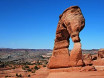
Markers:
(70, 24)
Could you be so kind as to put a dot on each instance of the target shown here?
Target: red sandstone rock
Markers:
(59, 59)
(70, 24)
(95, 57)
(75, 69)
(86, 74)
(101, 53)
(87, 58)
(101, 68)
(76, 55)
(88, 68)
(98, 62)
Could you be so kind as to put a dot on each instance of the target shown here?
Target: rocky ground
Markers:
(91, 74)
(41, 73)
(94, 68)
(44, 72)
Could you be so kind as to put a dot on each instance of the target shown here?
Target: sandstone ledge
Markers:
(70, 69)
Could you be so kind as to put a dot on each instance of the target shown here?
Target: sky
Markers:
(32, 23)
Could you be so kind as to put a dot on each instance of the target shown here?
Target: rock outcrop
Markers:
(87, 58)
(101, 53)
(70, 24)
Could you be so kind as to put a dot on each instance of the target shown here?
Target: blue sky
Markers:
(33, 23)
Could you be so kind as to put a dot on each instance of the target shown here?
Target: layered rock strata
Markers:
(70, 24)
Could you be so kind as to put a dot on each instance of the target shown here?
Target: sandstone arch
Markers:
(70, 24)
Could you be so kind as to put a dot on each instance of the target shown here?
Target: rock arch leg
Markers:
(60, 56)
(76, 52)
(76, 55)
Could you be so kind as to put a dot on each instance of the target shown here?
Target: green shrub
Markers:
(13, 67)
(44, 65)
(36, 67)
(23, 68)
(26, 66)
(29, 70)
(29, 75)
(38, 63)
(2, 65)
(18, 75)
(7, 76)
(33, 71)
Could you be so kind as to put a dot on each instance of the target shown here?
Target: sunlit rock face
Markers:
(71, 22)
(101, 53)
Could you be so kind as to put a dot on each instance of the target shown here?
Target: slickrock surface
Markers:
(41, 73)
(77, 72)
(91, 74)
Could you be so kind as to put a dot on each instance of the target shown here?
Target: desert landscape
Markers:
(37, 69)
(32, 46)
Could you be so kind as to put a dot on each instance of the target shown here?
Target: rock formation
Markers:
(101, 53)
(87, 58)
(70, 24)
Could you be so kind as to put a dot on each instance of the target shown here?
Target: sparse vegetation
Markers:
(7, 76)
(38, 62)
(26, 66)
(29, 75)
(23, 68)
(2, 65)
(44, 65)
(22, 56)
(29, 70)
(36, 67)
(33, 71)
(18, 75)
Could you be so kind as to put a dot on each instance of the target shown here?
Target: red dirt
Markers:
(90, 74)
(54, 73)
